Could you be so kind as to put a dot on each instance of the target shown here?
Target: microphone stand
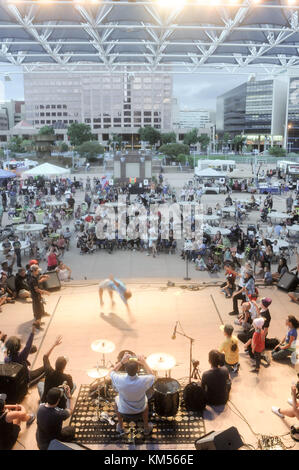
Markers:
(190, 350)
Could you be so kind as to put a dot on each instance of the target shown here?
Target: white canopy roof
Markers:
(47, 169)
(209, 173)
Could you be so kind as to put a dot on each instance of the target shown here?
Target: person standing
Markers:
(36, 294)
(289, 203)
(17, 248)
(258, 343)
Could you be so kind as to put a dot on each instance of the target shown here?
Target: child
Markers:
(267, 277)
(200, 265)
(229, 286)
(258, 343)
(230, 348)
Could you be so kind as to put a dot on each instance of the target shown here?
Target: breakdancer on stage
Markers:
(115, 285)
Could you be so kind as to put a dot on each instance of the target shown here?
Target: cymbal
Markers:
(161, 361)
(98, 373)
(103, 346)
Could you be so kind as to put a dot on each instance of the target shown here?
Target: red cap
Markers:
(33, 261)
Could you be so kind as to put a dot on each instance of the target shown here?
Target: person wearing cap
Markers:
(258, 343)
(50, 419)
(11, 417)
(230, 348)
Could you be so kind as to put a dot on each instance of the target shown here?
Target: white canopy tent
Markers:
(209, 173)
(47, 170)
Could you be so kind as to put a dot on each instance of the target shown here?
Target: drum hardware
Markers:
(182, 333)
(161, 362)
(103, 346)
(99, 373)
(195, 372)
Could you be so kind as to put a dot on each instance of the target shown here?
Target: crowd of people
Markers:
(249, 256)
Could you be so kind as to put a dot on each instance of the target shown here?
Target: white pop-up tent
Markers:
(209, 173)
(47, 170)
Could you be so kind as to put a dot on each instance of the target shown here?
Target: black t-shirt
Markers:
(54, 379)
(49, 424)
(215, 383)
(21, 283)
(17, 245)
(266, 315)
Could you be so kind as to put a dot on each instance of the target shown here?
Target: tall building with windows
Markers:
(256, 109)
(195, 118)
(119, 104)
(292, 124)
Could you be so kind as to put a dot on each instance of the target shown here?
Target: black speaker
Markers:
(288, 282)
(13, 382)
(229, 439)
(58, 445)
(53, 283)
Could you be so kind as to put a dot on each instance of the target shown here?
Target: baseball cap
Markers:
(266, 301)
(33, 261)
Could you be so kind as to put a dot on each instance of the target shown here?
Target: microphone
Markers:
(174, 331)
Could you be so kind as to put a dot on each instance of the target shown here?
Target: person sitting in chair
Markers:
(132, 399)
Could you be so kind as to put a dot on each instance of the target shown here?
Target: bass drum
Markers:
(166, 396)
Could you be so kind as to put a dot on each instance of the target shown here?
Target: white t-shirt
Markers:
(132, 398)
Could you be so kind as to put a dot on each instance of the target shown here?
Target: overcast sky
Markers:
(192, 91)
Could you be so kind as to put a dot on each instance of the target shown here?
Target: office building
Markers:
(256, 109)
(110, 104)
(292, 123)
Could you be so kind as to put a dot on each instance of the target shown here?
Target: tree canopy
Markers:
(191, 138)
(79, 133)
(168, 138)
(149, 134)
(174, 150)
(46, 130)
(90, 150)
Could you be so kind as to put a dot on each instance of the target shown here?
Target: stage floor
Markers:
(76, 316)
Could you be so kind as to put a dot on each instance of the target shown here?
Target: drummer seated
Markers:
(131, 388)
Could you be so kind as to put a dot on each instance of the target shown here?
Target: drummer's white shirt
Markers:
(132, 398)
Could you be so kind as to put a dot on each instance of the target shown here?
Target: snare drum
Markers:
(166, 396)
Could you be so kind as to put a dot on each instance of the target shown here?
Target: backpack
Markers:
(194, 397)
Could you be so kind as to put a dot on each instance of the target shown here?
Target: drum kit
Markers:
(164, 395)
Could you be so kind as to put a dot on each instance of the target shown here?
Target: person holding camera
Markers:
(50, 419)
(11, 417)
(131, 389)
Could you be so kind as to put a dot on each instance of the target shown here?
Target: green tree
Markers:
(277, 151)
(204, 141)
(63, 147)
(191, 138)
(27, 145)
(239, 142)
(46, 130)
(90, 150)
(149, 134)
(79, 133)
(15, 144)
(116, 141)
(168, 138)
(174, 150)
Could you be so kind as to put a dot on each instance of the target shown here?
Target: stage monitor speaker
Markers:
(229, 439)
(13, 382)
(288, 282)
(58, 445)
(53, 283)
